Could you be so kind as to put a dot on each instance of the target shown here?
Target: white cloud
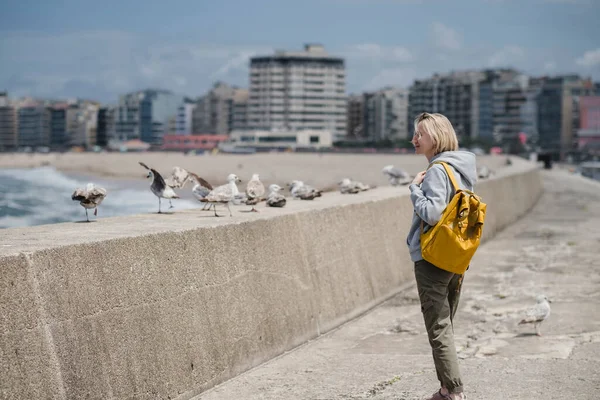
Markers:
(399, 77)
(377, 52)
(550, 66)
(237, 61)
(445, 37)
(589, 59)
(105, 64)
(507, 56)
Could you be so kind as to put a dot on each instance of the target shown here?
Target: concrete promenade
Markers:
(384, 354)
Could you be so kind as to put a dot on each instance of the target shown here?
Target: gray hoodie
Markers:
(435, 192)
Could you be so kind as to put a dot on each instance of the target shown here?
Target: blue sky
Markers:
(100, 49)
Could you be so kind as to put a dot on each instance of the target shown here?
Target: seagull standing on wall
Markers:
(90, 197)
(158, 186)
(254, 191)
(396, 176)
(223, 194)
(201, 189)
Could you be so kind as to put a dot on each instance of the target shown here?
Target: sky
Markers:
(101, 49)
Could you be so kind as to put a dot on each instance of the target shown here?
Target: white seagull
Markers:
(254, 192)
(90, 197)
(538, 313)
(223, 194)
(300, 190)
(347, 185)
(275, 199)
(396, 176)
(159, 186)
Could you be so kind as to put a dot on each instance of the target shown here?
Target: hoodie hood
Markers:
(462, 161)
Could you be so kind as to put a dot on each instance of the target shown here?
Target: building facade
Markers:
(355, 117)
(465, 97)
(282, 139)
(33, 125)
(8, 124)
(192, 142)
(145, 115)
(220, 110)
(385, 115)
(297, 91)
(185, 117)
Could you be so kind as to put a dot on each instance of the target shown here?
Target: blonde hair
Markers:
(440, 129)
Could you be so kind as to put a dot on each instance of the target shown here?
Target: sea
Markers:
(41, 196)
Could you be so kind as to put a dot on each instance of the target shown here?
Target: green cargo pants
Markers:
(439, 292)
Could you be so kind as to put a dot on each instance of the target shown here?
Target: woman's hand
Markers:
(419, 178)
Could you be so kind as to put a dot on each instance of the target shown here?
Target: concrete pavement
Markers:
(384, 354)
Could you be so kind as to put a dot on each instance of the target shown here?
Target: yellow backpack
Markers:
(452, 242)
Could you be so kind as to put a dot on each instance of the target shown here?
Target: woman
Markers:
(439, 290)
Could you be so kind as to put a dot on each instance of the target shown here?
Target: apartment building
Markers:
(298, 90)
(8, 124)
(221, 110)
(146, 115)
(385, 114)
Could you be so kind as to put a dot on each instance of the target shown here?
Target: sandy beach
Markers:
(320, 170)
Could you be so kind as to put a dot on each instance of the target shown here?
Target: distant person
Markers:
(439, 290)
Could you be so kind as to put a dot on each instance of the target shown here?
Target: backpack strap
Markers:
(449, 173)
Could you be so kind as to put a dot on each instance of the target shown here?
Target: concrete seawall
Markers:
(167, 306)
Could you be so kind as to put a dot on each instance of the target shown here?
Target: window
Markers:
(271, 139)
(314, 139)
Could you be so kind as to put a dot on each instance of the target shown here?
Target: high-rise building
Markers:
(355, 117)
(239, 110)
(33, 124)
(385, 114)
(81, 122)
(588, 134)
(462, 96)
(59, 139)
(185, 117)
(218, 110)
(298, 90)
(557, 111)
(105, 126)
(145, 115)
(514, 105)
(8, 124)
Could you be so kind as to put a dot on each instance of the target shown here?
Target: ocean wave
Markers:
(43, 196)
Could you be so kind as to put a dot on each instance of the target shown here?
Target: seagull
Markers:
(275, 199)
(254, 191)
(159, 187)
(201, 189)
(90, 197)
(483, 172)
(347, 185)
(223, 194)
(538, 313)
(179, 177)
(396, 176)
(300, 190)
